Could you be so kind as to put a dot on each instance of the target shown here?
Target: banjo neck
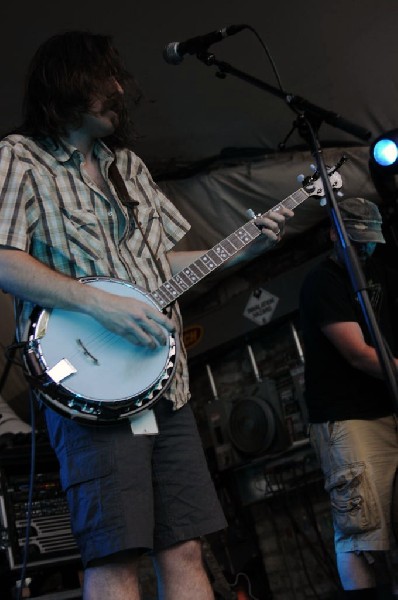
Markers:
(185, 279)
(182, 281)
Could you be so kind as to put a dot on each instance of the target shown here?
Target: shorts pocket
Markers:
(84, 465)
(354, 507)
(86, 477)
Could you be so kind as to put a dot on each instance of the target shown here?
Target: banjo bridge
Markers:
(87, 354)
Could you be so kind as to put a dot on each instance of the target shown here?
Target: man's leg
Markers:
(373, 444)
(181, 573)
(113, 578)
(355, 571)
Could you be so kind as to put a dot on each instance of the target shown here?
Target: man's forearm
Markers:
(27, 278)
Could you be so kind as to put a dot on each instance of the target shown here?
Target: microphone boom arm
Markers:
(296, 103)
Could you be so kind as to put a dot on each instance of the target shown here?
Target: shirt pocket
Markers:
(354, 507)
(150, 224)
(82, 233)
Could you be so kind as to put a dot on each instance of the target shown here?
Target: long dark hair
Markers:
(63, 75)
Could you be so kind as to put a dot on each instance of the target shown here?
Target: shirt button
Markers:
(110, 213)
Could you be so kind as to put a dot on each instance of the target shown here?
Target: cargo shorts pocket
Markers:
(86, 477)
(354, 507)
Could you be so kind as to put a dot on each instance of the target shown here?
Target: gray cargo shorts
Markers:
(143, 492)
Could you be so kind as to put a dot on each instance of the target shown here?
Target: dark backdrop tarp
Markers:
(340, 55)
(216, 201)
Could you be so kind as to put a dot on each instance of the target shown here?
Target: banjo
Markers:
(92, 375)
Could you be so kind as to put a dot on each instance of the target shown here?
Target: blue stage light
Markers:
(384, 152)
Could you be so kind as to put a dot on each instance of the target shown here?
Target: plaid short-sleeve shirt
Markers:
(51, 209)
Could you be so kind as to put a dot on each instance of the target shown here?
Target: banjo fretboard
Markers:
(182, 281)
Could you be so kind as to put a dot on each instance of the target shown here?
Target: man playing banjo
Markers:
(63, 218)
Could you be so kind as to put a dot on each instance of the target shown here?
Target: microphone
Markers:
(174, 52)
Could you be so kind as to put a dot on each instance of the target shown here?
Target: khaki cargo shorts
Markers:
(359, 459)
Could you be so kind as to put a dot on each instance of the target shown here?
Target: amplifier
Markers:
(50, 536)
(243, 429)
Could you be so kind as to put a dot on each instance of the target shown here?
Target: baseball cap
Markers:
(362, 220)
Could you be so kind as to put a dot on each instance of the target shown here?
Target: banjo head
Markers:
(88, 373)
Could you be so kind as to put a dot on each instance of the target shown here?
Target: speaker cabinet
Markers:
(248, 427)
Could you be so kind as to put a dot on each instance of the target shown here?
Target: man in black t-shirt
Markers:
(353, 425)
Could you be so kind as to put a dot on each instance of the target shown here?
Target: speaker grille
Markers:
(252, 426)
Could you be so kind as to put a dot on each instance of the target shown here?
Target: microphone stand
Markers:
(310, 117)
